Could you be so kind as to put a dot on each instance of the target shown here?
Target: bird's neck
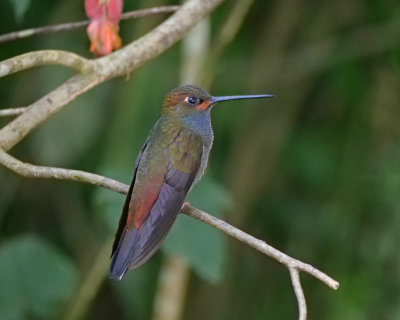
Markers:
(199, 123)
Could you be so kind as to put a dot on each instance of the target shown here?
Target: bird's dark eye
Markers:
(192, 100)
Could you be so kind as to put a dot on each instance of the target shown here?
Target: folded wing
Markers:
(146, 222)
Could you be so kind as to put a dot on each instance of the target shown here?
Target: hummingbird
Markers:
(170, 163)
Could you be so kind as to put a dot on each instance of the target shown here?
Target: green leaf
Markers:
(20, 7)
(35, 279)
(202, 246)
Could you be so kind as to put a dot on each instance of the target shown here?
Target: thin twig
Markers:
(298, 291)
(259, 245)
(12, 111)
(44, 57)
(80, 24)
(146, 12)
(32, 171)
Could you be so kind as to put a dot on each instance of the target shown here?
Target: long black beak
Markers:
(227, 98)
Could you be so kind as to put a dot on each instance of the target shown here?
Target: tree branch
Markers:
(39, 111)
(12, 111)
(121, 62)
(259, 245)
(146, 12)
(31, 171)
(80, 24)
(298, 291)
(293, 265)
(44, 57)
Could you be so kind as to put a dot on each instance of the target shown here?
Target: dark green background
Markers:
(315, 172)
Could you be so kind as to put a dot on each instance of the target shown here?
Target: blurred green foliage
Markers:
(19, 8)
(315, 172)
(36, 279)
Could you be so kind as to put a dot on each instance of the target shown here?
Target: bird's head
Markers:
(186, 99)
(191, 99)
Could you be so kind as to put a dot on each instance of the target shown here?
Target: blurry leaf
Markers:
(35, 279)
(203, 247)
(20, 7)
(208, 195)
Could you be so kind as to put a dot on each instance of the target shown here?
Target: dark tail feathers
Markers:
(122, 256)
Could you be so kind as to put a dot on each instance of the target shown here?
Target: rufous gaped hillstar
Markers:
(170, 163)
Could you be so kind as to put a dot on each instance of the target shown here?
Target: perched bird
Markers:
(170, 163)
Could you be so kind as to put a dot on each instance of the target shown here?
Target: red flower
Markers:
(104, 25)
